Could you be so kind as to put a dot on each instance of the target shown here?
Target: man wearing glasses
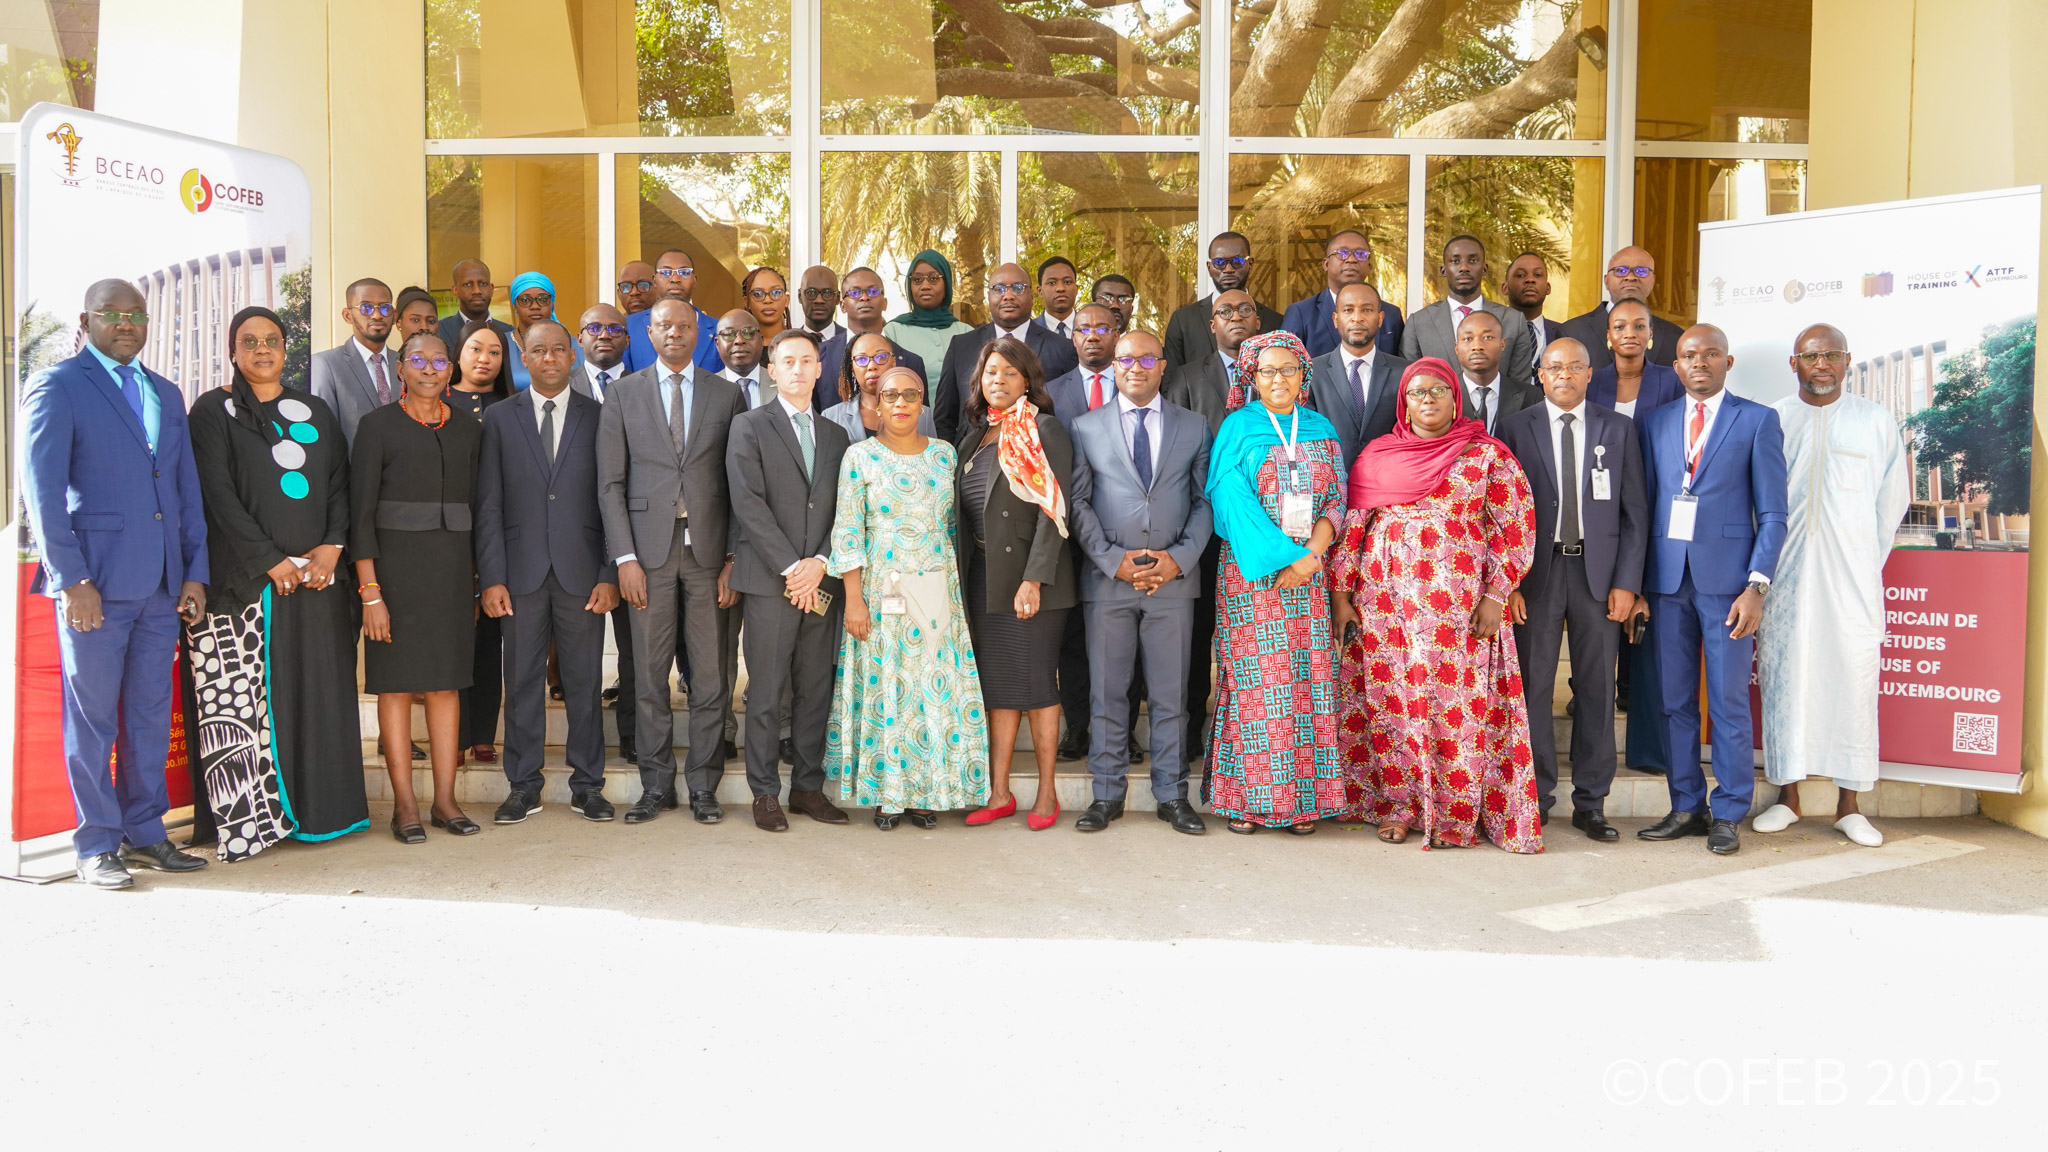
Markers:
(1592, 530)
(863, 303)
(636, 287)
(1347, 259)
(113, 497)
(470, 283)
(1631, 275)
(1188, 339)
(362, 374)
(675, 278)
(1009, 306)
(1119, 295)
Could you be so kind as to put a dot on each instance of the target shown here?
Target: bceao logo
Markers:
(199, 194)
(1720, 290)
(195, 192)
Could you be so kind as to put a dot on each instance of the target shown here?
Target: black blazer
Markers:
(1590, 329)
(531, 519)
(1512, 398)
(831, 357)
(1660, 386)
(1333, 396)
(781, 517)
(1616, 532)
(1188, 337)
(956, 379)
(1201, 386)
(1023, 543)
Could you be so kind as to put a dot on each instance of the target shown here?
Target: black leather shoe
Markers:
(1675, 826)
(161, 857)
(1723, 839)
(788, 751)
(1183, 817)
(628, 753)
(922, 817)
(407, 833)
(1099, 814)
(729, 750)
(704, 806)
(646, 808)
(103, 870)
(457, 825)
(593, 806)
(517, 807)
(1648, 769)
(1073, 750)
(1595, 826)
(1542, 815)
(609, 695)
(1135, 751)
(418, 753)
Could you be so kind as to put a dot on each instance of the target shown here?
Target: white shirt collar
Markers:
(788, 409)
(1019, 332)
(1124, 404)
(363, 350)
(1713, 404)
(1470, 383)
(1345, 357)
(614, 372)
(1578, 414)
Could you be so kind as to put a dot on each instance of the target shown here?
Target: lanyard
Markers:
(1291, 440)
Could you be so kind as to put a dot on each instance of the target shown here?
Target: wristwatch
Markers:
(1759, 587)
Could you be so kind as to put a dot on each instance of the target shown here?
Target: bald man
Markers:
(1631, 275)
(1009, 307)
(470, 281)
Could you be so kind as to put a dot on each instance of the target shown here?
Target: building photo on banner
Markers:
(202, 229)
(1937, 298)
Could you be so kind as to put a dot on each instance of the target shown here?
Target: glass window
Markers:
(607, 67)
(517, 214)
(1549, 205)
(1128, 213)
(729, 211)
(1283, 206)
(48, 50)
(882, 208)
(1725, 70)
(1674, 197)
(1530, 70)
(992, 66)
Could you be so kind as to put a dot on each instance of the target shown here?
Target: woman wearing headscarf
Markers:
(765, 295)
(533, 300)
(1441, 529)
(274, 659)
(1276, 487)
(417, 313)
(1016, 467)
(859, 410)
(930, 325)
(483, 376)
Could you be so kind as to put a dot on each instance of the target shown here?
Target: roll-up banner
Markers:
(1938, 299)
(203, 229)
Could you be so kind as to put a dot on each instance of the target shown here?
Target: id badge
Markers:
(1684, 508)
(1297, 513)
(894, 605)
(1600, 489)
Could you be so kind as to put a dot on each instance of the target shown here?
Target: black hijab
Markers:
(248, 409)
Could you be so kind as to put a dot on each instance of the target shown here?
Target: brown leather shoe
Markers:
(814, 805)
(768, 815)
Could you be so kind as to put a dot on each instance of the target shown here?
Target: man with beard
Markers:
(1347, 259)
(1436, 330)
(1357, 385)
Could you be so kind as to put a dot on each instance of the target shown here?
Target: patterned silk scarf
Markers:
(1024, 463)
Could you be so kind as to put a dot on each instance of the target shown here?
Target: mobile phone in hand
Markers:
(1145, 561)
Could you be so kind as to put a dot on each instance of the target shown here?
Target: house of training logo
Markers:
(199, 194)
(1877, 284)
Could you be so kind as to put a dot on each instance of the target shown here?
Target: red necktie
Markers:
(1692, 437)
(1464, 310)
(1094, 391)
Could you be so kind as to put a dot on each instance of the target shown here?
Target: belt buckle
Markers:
(1571, 549)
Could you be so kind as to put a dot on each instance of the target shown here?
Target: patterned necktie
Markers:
(747, 390)
(1141, 449)
(1235, 398)
(1464, 310)
(383, 381)
(803, 439)
(1692, 437)
(1094, 391)
(547, 433)
(1568, 468)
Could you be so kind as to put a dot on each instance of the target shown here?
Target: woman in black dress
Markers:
(483, 376)
(414, 473)
(1016, 463)
(274, 659)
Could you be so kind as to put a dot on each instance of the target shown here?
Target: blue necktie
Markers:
(131, 393)
(1141, 450)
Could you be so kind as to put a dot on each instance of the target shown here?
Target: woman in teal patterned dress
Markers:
(909, 735)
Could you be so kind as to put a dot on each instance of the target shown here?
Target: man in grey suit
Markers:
(661, 468)
(783, 467)
(1433, 331)
(1488, 395)
(1355, 381)
(362, 374)
(1585, 470)
(541, 561)
(1140, 470)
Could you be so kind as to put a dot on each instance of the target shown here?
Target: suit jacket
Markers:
(451, 329)
(1023, 544)
(1616, 531)
(832, 358)
(1113, 514)
(532, 519)
(1069, 393)
(1590, 329)
(1431, 332)
(956, 377)
(342, 379)
(1201, 386)
(1739, 524)
(639, 476)
(640, 345)
(1513, 398)
(1188, 337)
(103, 506)
(1310, 320)
(1333, 396)
(1660, 386)
(782, 517)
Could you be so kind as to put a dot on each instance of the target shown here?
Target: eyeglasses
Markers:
(869, 293)
(1639, 271)
(1146, 362)
(1566, 369)
(1094, 330)
(1115, 297)
(730, 334)
(874, 360)
(1434, 392)
(535, 300)
(595, 330)
(1834, 357)
(635, 285)
(375, 309)
(676, 273)
(1220, 262)
(420, 362)
(1009, 289)
(901, 396)
(1349, 255)
(820, 293)
(252, 343)
(1285, 372)
(765, 293)
(928, 280)
(1245, 311)
(137, 318)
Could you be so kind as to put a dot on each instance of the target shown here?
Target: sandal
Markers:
(1242, 827)
(887, 821)
(1306, 829)
(922, 818)
(1440, 842)
(1393, 833)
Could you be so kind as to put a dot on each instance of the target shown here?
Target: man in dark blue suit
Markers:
(540, 560)
(113, 499)
(1716, 471)
(1009, 309)
(675, 278)
(1585, 472)
(1347, 258)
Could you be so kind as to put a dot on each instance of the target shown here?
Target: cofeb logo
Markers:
(198, 193)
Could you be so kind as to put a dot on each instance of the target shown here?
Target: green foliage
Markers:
(295, 292)
(682, 62)
(41, 341)
(1982, 418)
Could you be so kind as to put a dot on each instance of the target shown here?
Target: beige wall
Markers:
(1929, 98)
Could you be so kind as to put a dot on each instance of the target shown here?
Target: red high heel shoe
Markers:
(1036, 823)
(991, 815)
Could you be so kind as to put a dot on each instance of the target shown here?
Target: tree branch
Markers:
(1354, 105)
(1269, 94)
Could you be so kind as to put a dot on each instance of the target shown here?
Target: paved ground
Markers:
(558, 983)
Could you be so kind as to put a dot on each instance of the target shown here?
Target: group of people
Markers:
(1366, 536)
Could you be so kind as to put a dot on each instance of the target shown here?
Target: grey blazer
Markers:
(531, 520)
(1333, 396)
(639, 476)
(781, 517)
(1430, 332)
(341, 379)
(1112, 514)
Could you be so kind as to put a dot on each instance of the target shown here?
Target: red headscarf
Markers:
(1402, 467)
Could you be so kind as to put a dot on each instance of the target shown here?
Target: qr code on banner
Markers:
(1976, 732)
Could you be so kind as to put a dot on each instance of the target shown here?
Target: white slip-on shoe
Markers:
(1776, 818)
(1862, 831)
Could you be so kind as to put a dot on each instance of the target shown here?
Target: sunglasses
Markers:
(1009, 289)
(535, 300)
(1237, 311)
(874, 359)
(137, 318)
(1835, 357)
(1359, 255)
(901, 396)
(730, 334)
(765, 293)
(1094, 330)
(375, 309)
(1639, 271)
(868, 293)
(1229, 261)
(1146, 362)
(1115, 297)
(676, 273)
(596, 330)
(421, 362)
(252, 343)
(635, 285)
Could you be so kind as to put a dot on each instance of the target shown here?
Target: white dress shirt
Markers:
(790, 412)
(1579, 451)
(601, 390)
(1688, 406)
(1130, 427)
(1088, 376)
(1345, 360)
(755, 386)
(540, 415)
(389, 366)
(1539, 331)
(1018, 332)
(1488, 408)
(1053, 325)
